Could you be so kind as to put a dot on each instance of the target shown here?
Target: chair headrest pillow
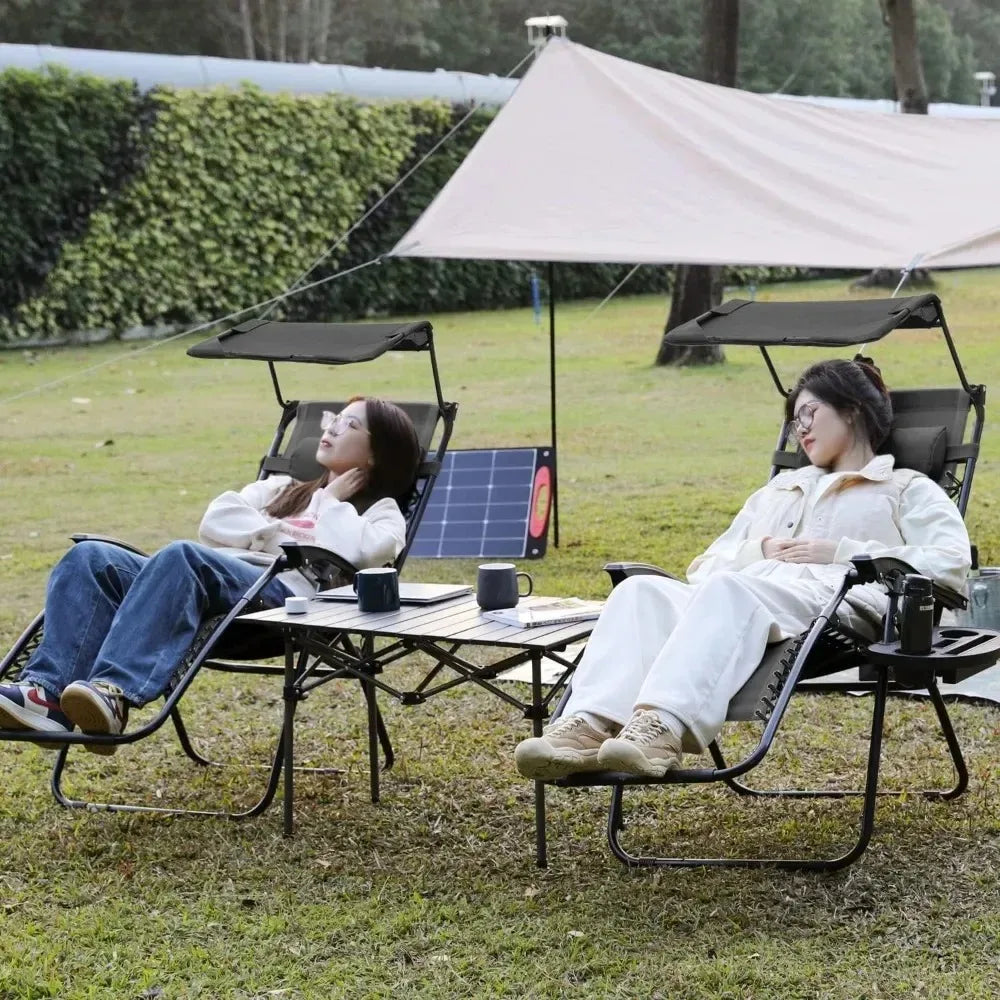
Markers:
(922, 449)
(302, 462)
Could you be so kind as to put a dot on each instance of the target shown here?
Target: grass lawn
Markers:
(434, 892)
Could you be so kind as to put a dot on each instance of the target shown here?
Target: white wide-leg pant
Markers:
(664, 644)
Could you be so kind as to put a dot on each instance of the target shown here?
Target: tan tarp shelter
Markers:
(598, 159)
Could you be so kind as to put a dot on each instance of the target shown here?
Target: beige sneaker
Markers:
(568, 745)
(97, 707)
(645, 746)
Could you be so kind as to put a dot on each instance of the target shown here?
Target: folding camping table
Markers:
(339, 640)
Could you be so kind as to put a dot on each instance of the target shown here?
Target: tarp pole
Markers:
(552, 402)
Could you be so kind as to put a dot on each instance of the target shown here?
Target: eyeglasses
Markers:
(337, 423)
(802, 421)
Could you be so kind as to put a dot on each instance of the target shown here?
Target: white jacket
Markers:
(879, 510)
(237, 523)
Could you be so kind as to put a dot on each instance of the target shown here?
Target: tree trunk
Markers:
(696, 290)
(883, 277)
(323, 33)
(246, 21)
(697, 287)
(720, 39)
(265, 29)
(907, 69)
(305, 31)
(282, 30)
(911, 92)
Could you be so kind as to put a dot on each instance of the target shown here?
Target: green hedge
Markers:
(240, 192)
(66, 144)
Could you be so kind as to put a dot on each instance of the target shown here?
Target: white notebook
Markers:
(409, 593)
(558, 611)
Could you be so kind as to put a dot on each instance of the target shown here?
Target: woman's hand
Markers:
(344, 486)
(800, 550)
(772, 547)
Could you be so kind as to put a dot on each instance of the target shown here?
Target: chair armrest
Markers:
(881, 569)
(108, 540)
(619, 571)
(319, 566)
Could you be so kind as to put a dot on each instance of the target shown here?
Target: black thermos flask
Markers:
(916, 615)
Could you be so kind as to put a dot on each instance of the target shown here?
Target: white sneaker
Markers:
(24, 705)
(568, 745)
(644, 746)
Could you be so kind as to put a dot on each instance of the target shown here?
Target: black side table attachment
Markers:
(956, 653)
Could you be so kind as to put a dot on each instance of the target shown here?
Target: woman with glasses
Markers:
(666, 657)
(117, 624)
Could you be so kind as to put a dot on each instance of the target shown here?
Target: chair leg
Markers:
(378, 734)
(185, 740)
(282, 756)
(255, 810)
(616, 820)
(961, 770)
(947, 730)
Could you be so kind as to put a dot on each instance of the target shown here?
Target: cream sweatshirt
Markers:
(236, 523)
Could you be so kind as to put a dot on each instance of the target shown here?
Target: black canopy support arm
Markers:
(771, 369)
(277, 388)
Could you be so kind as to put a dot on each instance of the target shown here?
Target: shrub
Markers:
(240, 192)
(67, 143)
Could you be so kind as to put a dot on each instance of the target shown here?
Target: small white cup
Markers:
(296, 605)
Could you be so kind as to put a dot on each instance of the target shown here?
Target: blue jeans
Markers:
(115, 616)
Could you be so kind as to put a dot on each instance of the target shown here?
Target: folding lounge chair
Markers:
(223, 642)
(928, 435)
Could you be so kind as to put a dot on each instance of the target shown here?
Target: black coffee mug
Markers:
(377, 589)
(496, 586)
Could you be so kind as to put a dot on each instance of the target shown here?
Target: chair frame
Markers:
(835, 647)
(319, 565)
(828, 646)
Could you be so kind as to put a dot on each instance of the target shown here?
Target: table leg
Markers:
(541, 859)
(370, 691)
(289, 751)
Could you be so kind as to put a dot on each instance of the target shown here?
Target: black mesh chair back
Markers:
(928, 435)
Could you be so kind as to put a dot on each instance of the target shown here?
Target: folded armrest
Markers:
(108, 540)
(882, 569)
(619, 571)
(319, 566)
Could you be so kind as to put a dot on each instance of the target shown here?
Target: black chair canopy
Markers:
(808, 324)
(319, 343)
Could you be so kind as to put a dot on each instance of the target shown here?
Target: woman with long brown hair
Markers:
(117, 623)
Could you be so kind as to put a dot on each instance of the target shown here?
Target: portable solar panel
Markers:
(489, 503)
